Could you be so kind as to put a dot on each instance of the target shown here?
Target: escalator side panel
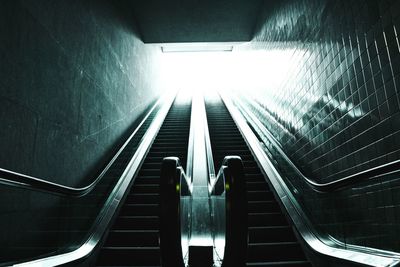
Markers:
(134, 238)
(271, 239)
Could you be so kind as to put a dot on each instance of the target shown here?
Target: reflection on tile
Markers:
(336, 111)
(341, 89)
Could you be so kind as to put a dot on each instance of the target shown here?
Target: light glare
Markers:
(248, 70)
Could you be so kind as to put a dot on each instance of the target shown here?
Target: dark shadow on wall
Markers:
(123, 13)
(70, 88)
(75, 81)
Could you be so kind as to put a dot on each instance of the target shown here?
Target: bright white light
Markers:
(279, 79)
(184, 97)
(197, 47)
(250, 70)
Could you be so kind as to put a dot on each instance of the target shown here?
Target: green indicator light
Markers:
(227, 186)
(177, 187)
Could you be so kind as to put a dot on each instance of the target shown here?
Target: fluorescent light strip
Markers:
(197, 47)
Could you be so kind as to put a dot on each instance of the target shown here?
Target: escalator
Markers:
(264, 238)
(271, 240)
(134, 238)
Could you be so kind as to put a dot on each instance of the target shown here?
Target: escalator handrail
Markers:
(220, 184)
(174, 184)
(332, 186)
(230, 182)
(113, 202)
(207, 142)
(11, 178)
(190, 151)
(209, 154)
(329, 247)
(218, 187)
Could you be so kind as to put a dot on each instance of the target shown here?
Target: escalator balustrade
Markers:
(271, 241)
(134, 238)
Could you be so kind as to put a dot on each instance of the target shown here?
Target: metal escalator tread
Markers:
(133, 240)
(271, 238)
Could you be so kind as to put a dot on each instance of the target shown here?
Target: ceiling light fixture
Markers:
(198, 47)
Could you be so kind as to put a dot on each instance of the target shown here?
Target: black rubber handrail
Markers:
(12, 178)
(231, 181)
(173, 184)
(32, 183)
(339, 184)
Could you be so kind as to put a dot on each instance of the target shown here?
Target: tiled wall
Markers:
(336, 112)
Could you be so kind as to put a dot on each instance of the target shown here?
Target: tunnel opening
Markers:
(310, 89)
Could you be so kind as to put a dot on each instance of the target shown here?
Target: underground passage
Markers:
(188, 133)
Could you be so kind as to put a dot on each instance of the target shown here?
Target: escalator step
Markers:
(253, 170)
(165, 150)
(140, 209)
(129, 256)
(279, 251)
(148, 180)
(267, 219)
(254, 177)
(146, 188)
(163, 154)
(151, 165)
(149, 172)
(260, 196)
(256, 185)
(271, 233)
(137, 223)
(143, 238)
(146, 198)
(281, 264)
(254, 206)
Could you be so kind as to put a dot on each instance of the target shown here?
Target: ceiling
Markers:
(176, 21)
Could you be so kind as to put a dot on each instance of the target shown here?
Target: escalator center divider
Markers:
(134, 238)
(271, 241)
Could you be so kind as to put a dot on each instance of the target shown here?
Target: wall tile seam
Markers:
(355, 93)
(356, 168)
(356, 80)
(316, 126)
(349, 127)
(361, 166)
(352, 155)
